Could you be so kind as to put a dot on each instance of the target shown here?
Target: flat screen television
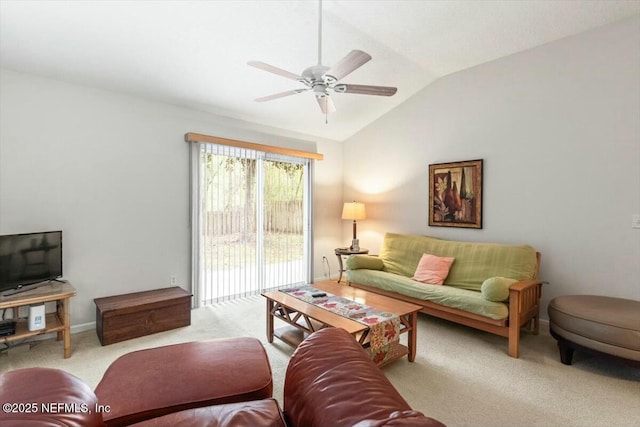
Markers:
(28, 260)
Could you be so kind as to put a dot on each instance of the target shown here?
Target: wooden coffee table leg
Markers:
(270, 306)
(411, 339)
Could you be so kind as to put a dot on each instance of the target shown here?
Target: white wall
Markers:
(558, 128)
(111, 171)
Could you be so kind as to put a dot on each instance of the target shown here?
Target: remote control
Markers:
(319, 294)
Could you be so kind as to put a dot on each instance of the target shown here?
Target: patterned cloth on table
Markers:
(384, 327)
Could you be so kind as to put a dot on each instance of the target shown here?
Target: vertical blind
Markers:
(251, 224)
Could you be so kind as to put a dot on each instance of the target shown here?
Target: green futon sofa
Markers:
(491, 287)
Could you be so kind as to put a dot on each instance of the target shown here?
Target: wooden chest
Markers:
(122, 317)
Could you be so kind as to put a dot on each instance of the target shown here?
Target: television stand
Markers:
(24, 288)
(58, 321)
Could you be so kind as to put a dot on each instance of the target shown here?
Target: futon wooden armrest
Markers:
(524, 284)
(524, 308)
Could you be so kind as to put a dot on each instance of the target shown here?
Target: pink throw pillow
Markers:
(433, 269)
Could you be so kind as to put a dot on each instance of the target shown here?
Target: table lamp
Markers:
(354, 211)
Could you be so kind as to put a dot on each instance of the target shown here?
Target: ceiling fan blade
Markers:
(366, 89)
(274, 70)
(354, 60)
(326, 104)
(280, 95)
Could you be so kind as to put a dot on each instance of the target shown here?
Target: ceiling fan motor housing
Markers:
(315, 73)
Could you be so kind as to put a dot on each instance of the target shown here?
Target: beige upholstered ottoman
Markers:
(605, 324)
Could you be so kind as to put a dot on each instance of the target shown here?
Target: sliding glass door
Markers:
(250, 221)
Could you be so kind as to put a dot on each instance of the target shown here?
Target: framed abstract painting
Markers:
(455, 194)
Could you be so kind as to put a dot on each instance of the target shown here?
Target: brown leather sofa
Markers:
(330, 381)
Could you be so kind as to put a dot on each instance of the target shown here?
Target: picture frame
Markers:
(455, 194)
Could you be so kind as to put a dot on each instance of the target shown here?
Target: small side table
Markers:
(346, 252)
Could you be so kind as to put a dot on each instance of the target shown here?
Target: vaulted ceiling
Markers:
(195, 53)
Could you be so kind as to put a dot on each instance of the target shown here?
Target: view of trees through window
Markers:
(252, 227)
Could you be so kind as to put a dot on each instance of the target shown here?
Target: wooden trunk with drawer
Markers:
(122, 317)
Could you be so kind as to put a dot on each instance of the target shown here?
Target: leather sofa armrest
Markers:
(331, 381)
(47, 397)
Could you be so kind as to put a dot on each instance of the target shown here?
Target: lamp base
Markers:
(355, 245)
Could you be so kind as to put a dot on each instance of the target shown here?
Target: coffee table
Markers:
(302, 318)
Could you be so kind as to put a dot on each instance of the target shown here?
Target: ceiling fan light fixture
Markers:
(326, 103)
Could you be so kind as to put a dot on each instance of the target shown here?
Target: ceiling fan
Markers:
(322, 79)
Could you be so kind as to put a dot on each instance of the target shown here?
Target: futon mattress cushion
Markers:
(463, 299)
(474, 262)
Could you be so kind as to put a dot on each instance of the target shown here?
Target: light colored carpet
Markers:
(461, 376)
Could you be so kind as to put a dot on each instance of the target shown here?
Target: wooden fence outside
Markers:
(280, 217)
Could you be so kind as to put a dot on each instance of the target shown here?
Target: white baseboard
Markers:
(83, 327)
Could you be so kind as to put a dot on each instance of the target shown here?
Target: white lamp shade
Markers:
(354, 211)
